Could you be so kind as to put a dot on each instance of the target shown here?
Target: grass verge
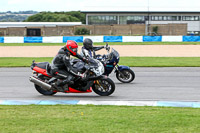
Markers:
(127, 61)
(103, 43)
(98, 119)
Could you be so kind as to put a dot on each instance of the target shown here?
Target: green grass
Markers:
(21, 61)
(103, 43)
(98, 119)
(127, 61)
(161, 61)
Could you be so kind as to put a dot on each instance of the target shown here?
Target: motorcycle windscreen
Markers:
(92, 62)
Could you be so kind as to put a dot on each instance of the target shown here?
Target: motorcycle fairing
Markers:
(71, 90)
(123, 68)
(109, 69)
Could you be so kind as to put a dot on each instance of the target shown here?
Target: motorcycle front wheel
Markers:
(127, 77)
(104, 87)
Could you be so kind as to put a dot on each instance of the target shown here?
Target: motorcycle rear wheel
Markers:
(129, 76)
(42, 91)
(104, 87)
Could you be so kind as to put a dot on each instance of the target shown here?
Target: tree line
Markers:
(73, 16)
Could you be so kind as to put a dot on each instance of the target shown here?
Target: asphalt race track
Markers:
(161, 84)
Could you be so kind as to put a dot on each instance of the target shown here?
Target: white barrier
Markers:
(95, 38)
(132, 38)
(53, 39)
(13, 39)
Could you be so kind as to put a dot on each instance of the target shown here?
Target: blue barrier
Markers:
(107, 39)
(33, 39)
(191, 38)
(74, 38)
(112, 39)
(152, 38)
(1, 39)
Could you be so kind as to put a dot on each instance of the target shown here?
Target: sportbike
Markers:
(45, 82)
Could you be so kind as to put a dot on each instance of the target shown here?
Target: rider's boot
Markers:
(58, 86)
(63, 82)
(62, 85)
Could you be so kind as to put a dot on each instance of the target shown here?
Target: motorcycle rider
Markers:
(61, 63)
(88, 50)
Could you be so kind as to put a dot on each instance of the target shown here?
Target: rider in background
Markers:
(88, 50)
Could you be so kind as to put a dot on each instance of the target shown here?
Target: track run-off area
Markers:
(124, 51)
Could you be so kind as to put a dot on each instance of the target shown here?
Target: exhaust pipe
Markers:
(40, 83)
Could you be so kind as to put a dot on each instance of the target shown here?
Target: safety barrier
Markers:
(63, 39)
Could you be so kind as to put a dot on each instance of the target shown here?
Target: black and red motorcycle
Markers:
(45, 82)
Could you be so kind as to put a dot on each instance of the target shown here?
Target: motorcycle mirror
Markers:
(107, 47)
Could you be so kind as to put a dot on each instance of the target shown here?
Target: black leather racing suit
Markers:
(61, 64)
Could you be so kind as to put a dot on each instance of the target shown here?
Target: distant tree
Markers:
(79, 15)
(155, 29)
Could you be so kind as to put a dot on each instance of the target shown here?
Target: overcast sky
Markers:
(76, 5)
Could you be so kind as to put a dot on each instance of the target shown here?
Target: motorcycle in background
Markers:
(123, 73)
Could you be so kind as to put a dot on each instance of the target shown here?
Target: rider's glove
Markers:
(106, 56)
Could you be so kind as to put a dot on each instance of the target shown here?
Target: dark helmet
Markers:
(72, 47)
(88, 44)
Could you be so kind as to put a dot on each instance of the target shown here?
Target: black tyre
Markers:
(104, 87)
(128, 77)
(42, 91)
